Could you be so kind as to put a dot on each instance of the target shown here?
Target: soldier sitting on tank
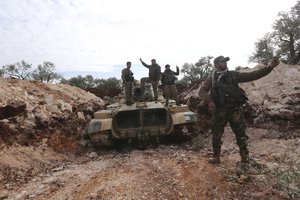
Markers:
(168, 81)
(154, 77)
(128, 79)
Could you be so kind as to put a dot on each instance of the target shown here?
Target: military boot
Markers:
(216, 157)
(244, 152)
(214, 160)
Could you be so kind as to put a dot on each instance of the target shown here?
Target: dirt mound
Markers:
(32, 111)
(276, 98)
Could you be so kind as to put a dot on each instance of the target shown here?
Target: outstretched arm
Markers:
(257, 74)
(143, 63)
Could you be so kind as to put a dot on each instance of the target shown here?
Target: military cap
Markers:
(220, 59)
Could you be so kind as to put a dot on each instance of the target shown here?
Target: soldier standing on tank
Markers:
(128, 79)
(168, 80)
(226, 106)
(154, 76)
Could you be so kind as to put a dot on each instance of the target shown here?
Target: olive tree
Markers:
(46, 73)
(285, 37)
(78, 81)
(111, 82)
(198, 71)
(20, 70)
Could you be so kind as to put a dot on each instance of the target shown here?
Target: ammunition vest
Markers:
(128, 75)
(225, 90)
(168, 78)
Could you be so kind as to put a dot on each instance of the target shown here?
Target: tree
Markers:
(109, 83)
(287, 32)
(46, 73)
(89, 81)
(263, 50)
(198, 71)
(285, 38)
(20, 70)
(184, 81)
(78, 81)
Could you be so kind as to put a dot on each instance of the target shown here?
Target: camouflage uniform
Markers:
(229, 109)
(168, 80)
(127, 78)
(154, 77)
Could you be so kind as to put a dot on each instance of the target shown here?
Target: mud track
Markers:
(166, 172)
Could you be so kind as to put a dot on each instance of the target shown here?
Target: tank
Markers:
(141, 123)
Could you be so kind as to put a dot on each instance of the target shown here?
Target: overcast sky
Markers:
(98, 37)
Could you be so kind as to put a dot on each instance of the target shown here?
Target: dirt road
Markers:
(166, 172)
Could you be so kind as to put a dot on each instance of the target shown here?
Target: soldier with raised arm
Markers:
(153, 78)
(225, 99)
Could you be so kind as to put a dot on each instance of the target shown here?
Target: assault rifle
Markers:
(237, 93)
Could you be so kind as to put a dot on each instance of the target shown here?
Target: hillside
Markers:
(31, 111)
(40, 155)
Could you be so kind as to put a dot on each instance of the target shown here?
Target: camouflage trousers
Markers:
(171, 91)
(234, 115)
(128, 91)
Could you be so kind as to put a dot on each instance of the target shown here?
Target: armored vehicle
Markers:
(142, 122)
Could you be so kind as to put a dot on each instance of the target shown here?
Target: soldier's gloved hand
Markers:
(274, 62)
(211, 107)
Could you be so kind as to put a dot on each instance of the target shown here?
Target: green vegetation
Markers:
(45, 73)
(20, 70)
(194, 72)
(90, 82)
(285, 38)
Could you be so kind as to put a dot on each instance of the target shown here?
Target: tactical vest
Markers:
(128, 75)
(225, 90)
(168, 77)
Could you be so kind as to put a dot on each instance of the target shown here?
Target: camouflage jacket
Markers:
(127, 75)
(168, 77)
(235, 77)
(154, 71)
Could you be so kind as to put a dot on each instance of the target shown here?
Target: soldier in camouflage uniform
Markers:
(225, 100)
(154, 76)
(168, 80)
(127, 78)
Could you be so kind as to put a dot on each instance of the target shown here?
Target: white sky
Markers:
(98, 37)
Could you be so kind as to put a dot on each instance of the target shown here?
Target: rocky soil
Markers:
(40, 155)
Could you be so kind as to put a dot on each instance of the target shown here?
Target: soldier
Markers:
(127, 78)
(168, 80)
(225, 101)
(154, 76)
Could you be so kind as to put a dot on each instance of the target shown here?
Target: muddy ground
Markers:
(170, 171)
